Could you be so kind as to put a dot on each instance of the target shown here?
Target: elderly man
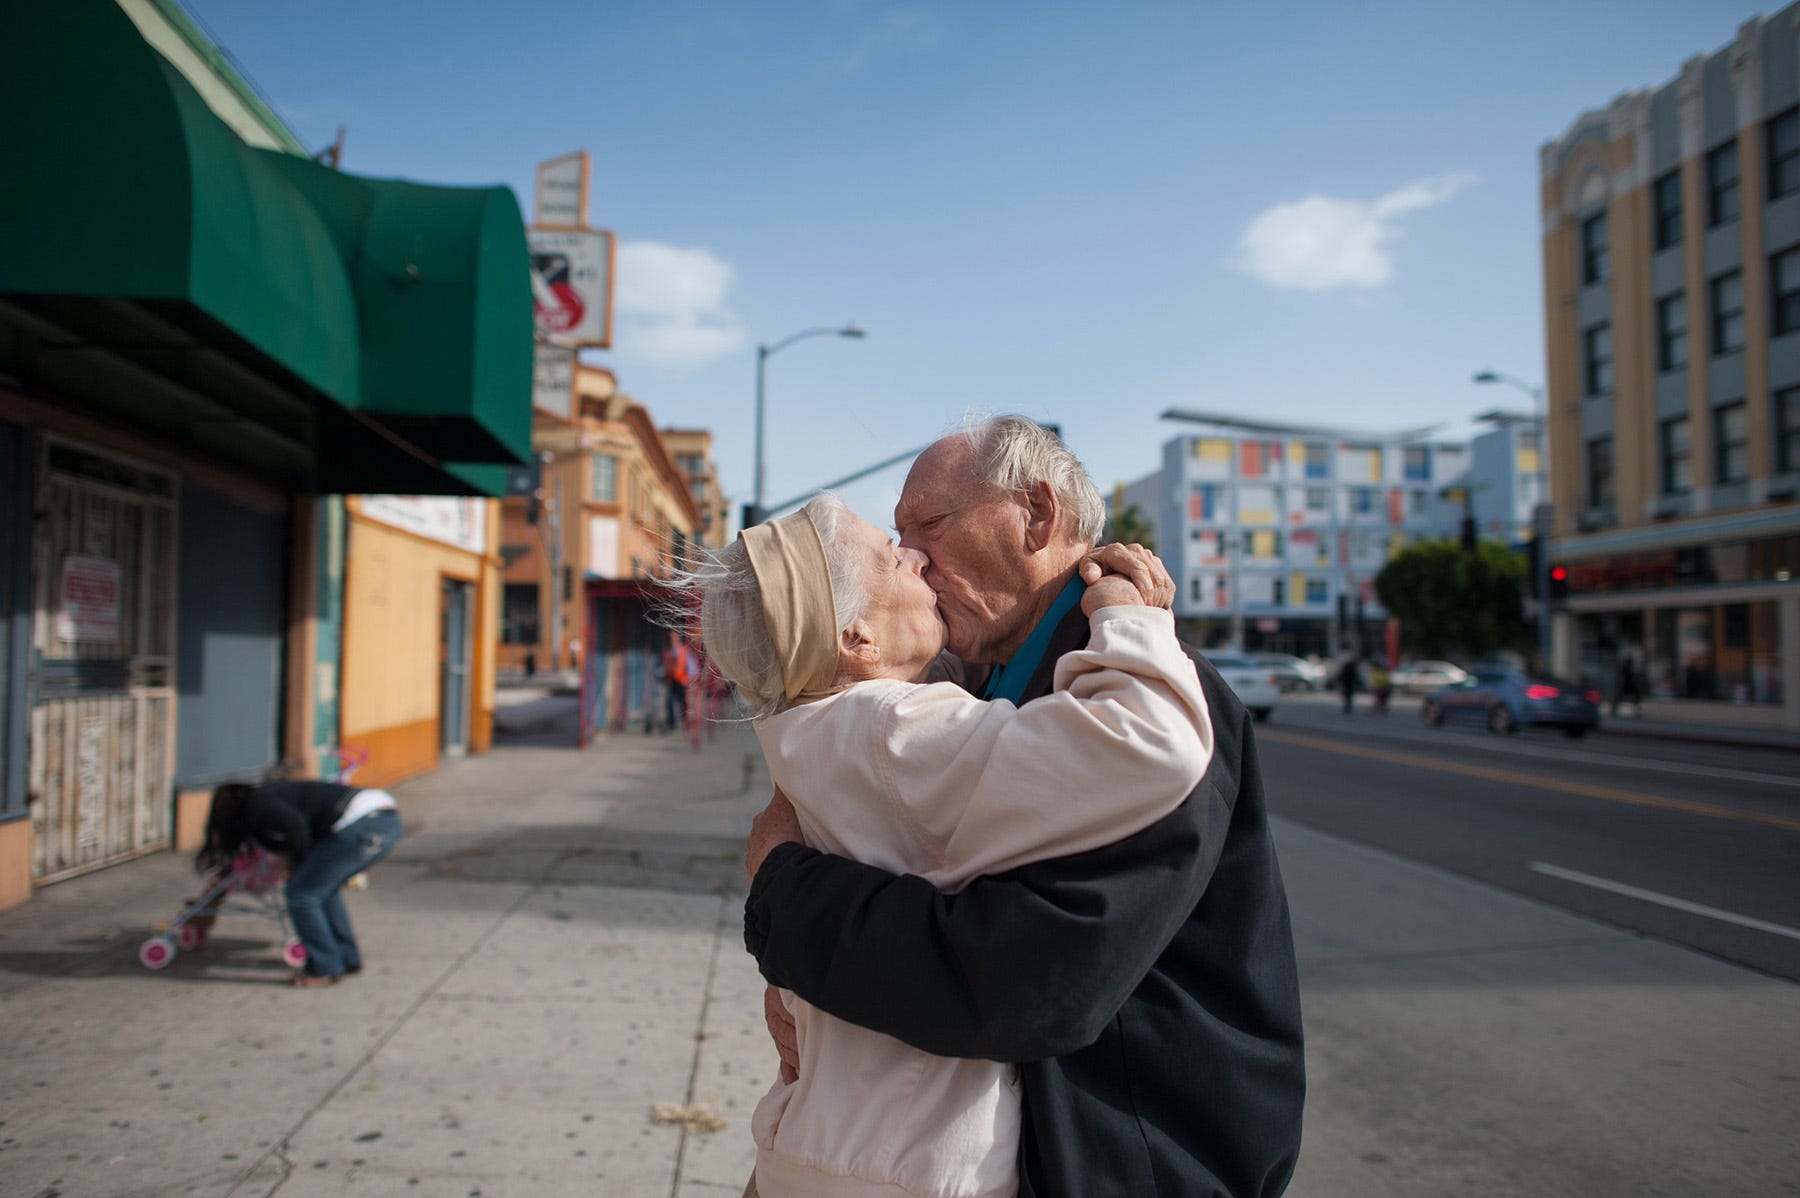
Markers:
(1146, 988)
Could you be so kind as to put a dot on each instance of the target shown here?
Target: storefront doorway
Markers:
(102, 737)
(458, 612)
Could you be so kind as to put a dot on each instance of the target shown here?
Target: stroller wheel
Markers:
(156, 952)
(190, 936)
(293, 953)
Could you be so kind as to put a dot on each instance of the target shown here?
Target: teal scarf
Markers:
(1010, 680)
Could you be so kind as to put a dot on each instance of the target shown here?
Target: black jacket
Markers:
(1147, 988)
(289, 817)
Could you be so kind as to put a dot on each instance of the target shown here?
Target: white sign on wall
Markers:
(452, 520)
(603, 547)
(88, 607)
(553, 380)
(571, 284)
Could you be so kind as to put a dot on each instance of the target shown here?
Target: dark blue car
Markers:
(1507, 698)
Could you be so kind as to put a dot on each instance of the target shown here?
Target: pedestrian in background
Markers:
(1627, 689)
(1380, 686)
(328, 833)
(678, 669)
(1348, 681)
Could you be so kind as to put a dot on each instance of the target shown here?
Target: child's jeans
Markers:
(314, 892)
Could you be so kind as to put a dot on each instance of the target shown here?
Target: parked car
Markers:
(1423, 677)
(1291, 673)
(1257, 687)
(1507, 699)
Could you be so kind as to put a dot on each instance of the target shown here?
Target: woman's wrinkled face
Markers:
(899, 607)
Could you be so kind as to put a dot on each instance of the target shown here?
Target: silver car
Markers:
(1423, 677)
(1292, 673)
(1257, 687)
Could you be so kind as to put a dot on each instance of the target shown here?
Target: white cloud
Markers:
(672, 306)
(1322, 242)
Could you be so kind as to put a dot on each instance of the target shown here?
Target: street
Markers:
(1691, 842)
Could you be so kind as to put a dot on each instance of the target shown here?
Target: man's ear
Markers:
(1041, 509)
(857, 642)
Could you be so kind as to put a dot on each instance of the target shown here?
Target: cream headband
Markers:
(788, 560)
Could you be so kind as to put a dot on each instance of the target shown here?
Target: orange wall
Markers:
(391, 690)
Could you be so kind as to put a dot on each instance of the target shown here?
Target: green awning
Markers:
(135, 223)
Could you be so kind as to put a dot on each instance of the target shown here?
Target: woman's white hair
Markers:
(1017, 452)
(735, 636)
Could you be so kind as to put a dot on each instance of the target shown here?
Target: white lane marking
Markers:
(1663, 900)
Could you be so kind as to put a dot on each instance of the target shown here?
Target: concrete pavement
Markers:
(555, 951)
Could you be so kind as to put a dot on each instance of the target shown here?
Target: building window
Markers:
(1415, 503)
(1782, 136)
(1316, 592)
(1318, 461)
(1784, 280)
(1278, 592)
(1671, 332)
(1600, 472)
(1362, 500)
(1593, 249)
(1416, 464)
(1318, 499)
(1598, 356)
(1722, 184)
(1787, 430)
(605, 485)
(1728, 313)
(1677, 467)
(1731, 443)
(1668, 210)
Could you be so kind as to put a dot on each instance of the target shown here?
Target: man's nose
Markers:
(914, 559)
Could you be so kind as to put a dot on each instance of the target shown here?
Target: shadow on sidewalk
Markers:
(552, 721)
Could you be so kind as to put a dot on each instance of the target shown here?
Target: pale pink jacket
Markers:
(929, 780)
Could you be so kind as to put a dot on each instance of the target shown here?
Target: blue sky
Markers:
(1085, 212)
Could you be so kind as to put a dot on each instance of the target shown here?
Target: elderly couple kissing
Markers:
(1017, 902)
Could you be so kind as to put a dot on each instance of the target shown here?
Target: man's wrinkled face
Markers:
(975, 539)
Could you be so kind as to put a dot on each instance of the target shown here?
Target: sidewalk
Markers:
(556, 949)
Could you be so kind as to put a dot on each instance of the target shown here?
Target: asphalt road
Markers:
(1692, 843)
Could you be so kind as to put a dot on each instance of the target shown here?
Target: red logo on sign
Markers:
(558, 305)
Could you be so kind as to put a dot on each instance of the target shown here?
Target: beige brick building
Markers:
(1671, 239)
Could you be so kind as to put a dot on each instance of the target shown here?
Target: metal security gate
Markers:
(103, 630)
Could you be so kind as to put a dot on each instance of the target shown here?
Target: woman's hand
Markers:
(1119, 575)
(782, 1031)
(777, 824)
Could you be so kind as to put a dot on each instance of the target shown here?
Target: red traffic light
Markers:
(1559, 573)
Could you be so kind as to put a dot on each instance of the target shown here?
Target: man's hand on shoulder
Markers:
(776, 824)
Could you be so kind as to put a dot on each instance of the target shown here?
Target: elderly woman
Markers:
(830, 633)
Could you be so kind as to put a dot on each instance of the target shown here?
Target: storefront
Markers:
(201, 340)
(1711, 628)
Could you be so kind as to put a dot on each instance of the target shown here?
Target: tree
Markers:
(1128, 527)
(1449, 600)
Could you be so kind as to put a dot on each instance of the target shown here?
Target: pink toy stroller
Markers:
(254, 881)
(254, 878)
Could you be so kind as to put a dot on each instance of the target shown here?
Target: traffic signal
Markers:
(1559, 583)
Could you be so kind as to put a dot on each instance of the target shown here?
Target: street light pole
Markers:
(763, 354)
(1541, 511)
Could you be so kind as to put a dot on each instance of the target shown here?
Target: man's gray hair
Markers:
(1016, 452)
(734, 633)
